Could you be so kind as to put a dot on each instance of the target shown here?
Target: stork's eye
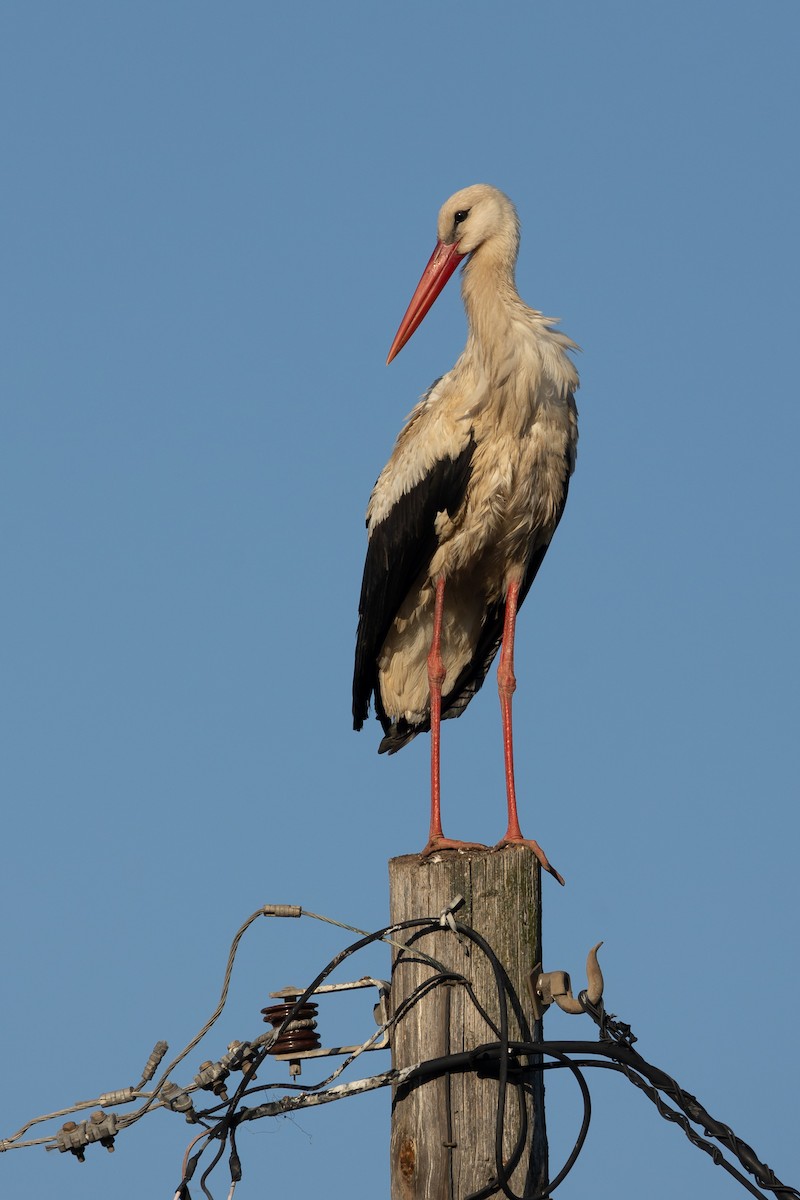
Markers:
(461, 215)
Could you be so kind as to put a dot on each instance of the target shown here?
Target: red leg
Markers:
(436, 678)
(506, 686)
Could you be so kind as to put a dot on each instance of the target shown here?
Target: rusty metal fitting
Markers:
(241, 1056)
(175, 1098)
(211, 1078)
(102, 1128)
(122, 1096)
(550, 987)
(282, 910)
(72, 1137)
(153, 1062)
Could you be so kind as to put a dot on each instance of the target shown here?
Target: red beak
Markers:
(441, 265)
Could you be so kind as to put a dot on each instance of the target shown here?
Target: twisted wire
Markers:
(511, 1063)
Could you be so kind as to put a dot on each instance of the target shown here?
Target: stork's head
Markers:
(477, 220)
(476, 216)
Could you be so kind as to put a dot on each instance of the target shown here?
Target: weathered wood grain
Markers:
(443, 1131)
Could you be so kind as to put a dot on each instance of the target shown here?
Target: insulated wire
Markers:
(614, 1051)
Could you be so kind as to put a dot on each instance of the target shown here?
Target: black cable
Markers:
(483, 1060)
(231, 1119)
(500, 1060)
(435, 926)
(309, 1088)
(222, 1143)
(505, 993)
(635, 1068)
(584, 1129)
(677, 1118)
(482, 1057)
(618, 1033)
(234, 1162)
(504, 1168)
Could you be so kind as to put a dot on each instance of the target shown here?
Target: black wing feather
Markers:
(400, 547)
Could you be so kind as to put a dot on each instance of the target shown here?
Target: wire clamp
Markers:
(242, 1057)
(550, 987)
(211, 1078)
(174, 1097)
(75, 1136)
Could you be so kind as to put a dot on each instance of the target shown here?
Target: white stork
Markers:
(463, 512)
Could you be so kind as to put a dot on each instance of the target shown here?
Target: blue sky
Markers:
(214, 217)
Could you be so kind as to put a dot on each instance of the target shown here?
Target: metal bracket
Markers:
(380, 1012)
(550, 987)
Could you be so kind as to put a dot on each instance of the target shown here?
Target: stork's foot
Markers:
(537, 850)
(437, 843)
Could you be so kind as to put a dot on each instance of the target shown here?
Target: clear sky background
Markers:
(213, 219)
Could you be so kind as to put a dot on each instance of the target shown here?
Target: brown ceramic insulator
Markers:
(300, 1035)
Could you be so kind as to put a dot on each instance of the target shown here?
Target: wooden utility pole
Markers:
(443, 1130)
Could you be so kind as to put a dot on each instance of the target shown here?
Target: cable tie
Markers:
(446, 920)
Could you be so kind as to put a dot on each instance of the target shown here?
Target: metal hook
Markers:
(549, 986)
